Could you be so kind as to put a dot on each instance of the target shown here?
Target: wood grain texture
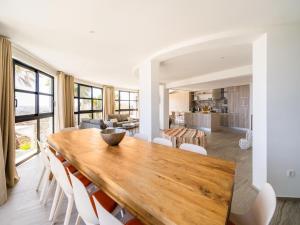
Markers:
(160, 185)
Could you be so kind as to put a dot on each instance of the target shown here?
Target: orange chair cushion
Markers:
(104, 200)
(134, 222)
(60, 158)
(83, 179)
(71, 168)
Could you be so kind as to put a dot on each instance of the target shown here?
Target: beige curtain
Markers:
(8, 173)
(109, 101)
(65, 100)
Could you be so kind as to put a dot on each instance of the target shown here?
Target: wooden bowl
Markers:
(113, 136)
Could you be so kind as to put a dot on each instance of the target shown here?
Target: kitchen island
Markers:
(204, 121)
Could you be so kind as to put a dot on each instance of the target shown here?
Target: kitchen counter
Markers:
(204, 121)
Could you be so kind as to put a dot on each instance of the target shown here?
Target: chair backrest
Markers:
(82, 201)
(43, 154)
(141, 136)
(264, 206)
(193, 148)
(105, 218)
(162, 141)
(60, 173)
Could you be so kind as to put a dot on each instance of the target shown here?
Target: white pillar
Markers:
(163, 107)
(149, 99)
(259, 111)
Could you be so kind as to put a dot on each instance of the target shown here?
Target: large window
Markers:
(126, 102)
(34, 109)
(87, 102)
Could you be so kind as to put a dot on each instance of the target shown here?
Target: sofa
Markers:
(117, 120)
(92, 123)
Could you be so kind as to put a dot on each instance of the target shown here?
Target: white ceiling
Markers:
(223, 83)
(205, 62)
(127, 32)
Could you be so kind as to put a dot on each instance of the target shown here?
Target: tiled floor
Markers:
(23, 206)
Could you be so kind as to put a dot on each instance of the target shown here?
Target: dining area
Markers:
(136, 182)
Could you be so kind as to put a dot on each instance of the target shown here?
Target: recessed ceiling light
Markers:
(222, 57)
(91, 31)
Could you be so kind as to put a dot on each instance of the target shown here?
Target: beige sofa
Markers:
(121, 119)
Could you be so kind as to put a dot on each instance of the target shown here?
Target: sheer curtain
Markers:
(8, 173)
(109, 101)
(65, 100)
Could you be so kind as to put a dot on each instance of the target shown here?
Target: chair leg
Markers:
(45, 184)
(55, 200)
(69, 210)
(78, 220)
(40, 180)
(57, 209)
(50, 187)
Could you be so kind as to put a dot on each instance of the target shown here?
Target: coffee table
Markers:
(131, 127)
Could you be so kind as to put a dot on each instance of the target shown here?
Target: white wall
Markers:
(179, 101)
(163, 107)
(283, 109)
(259, 108)
(276, 109)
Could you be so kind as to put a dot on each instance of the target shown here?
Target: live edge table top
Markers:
(156, 183)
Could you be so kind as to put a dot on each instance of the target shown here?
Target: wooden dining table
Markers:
(156, 183)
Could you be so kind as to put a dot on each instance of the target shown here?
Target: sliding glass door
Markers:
(34, 109)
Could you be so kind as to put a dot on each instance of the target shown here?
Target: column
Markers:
(163, 107)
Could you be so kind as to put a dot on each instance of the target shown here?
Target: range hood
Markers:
(218, 94)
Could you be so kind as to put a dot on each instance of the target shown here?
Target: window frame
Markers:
(92, 110)
(119, 100)
(37, 115)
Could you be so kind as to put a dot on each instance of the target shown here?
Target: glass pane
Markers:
(98, 115)
(133, 105)
(124, 112)
(45, 84)
(76, 119)
(85, 92)
(25, 103)
(116, 95)
(75, 104)
(97, 104)
(124, 104)
(24, 78)
(46, 104)
(85, 104)
(75, 90)
(97, 93)
(134, 114)
(85, 116)
(124, 95)
(116, 105)
(134, 96)
(26, 134)
(46, 128)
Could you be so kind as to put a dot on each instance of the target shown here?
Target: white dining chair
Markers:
(84, 203)
(63, 187)
(246, 143)
(261, 211)
(162, 141)
(193, 148)
(46, 171)
(141, 136)
(106, 218)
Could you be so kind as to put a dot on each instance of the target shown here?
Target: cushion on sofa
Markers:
(114, 116)
(124, 117)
